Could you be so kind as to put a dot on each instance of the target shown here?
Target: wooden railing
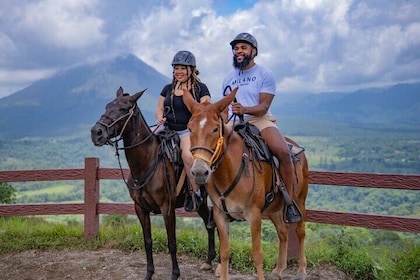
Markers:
(92, 207)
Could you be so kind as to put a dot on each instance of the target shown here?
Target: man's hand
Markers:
(238, 109)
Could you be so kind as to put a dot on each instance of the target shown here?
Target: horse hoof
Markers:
(205, 266)
(217, 272)
(301, 276)
(273, 276)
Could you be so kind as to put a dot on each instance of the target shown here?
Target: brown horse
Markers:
(153, 180)
(239, 185)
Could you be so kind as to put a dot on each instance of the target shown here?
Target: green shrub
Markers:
(7, 193)
(406, 265)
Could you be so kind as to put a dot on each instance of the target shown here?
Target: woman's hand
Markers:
(160, 120)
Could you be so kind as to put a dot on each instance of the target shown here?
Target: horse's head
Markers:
(116, 117)
(206, 126)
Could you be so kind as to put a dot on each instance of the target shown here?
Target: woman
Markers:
(172, 111)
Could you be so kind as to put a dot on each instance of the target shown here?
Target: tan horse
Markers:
(238, 185)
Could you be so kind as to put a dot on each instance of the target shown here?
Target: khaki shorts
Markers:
(260, 122)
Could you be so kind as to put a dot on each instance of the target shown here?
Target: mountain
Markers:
(73, 100)
(398, 105)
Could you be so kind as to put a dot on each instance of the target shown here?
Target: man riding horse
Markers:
(257, 88)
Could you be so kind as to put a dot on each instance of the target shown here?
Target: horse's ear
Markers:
(224, 102)
(189, 101)
(137, 95)
(120, 92)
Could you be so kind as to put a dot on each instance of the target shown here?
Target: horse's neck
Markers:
(141, 145)
(136, 131)
(230, 159)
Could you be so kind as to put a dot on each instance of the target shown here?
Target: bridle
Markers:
(133, 111)
(216, 154)
(119, 137)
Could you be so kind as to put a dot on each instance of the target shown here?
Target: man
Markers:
(257, 88)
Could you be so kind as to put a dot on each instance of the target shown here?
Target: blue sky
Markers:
(310, 45)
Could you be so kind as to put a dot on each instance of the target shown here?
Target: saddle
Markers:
(259, 150)
(169, 145)
(252, 139)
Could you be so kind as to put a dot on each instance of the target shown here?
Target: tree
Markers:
(7, 193)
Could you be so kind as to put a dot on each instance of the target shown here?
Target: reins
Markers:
(119, 137)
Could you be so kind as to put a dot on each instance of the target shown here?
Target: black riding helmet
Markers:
(184, 58)
(247, 38)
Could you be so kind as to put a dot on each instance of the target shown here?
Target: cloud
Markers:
(310, 45)
(70, 24)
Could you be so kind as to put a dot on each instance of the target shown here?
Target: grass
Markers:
(354, 251)
(54, 189)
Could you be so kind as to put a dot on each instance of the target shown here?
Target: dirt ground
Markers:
(117, 264)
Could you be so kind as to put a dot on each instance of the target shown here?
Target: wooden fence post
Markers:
(91, 219)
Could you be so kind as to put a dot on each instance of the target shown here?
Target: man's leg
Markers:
(278, 146)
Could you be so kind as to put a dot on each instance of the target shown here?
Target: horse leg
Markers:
(223, 230)
(301, 232)
(204, 213)
(283, 234)
(170, 225)
(302, 191)
(144, 218)
(257, 255)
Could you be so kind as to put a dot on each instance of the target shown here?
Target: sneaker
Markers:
(189, 204)
(193, 203)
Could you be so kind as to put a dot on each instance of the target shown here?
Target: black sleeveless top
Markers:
(178, 114)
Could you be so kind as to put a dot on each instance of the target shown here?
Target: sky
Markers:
(310, 45)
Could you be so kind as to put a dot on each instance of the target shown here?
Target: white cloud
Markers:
(68, 24)
(311, 45)
(12, 80)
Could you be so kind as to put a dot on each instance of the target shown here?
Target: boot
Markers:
(292, 213)
(193, 202)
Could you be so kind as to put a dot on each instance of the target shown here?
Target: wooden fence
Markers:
(92, 207)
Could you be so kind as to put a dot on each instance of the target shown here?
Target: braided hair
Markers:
(192, 82)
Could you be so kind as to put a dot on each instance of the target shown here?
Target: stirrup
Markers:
(292, 213)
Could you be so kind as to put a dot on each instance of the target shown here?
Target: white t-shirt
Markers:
(250, 82)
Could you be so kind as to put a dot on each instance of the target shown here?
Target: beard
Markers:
(243, 64)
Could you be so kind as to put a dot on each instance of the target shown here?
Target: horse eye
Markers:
(123, 110)
(216, 129)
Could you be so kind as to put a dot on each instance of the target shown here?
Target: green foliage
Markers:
(352, 258)
(7, 193)
(19, 234)
(352, 250)
(361, 253)
(407, 264)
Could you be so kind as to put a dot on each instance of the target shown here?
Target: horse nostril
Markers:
(206, 173)
(97, 131)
